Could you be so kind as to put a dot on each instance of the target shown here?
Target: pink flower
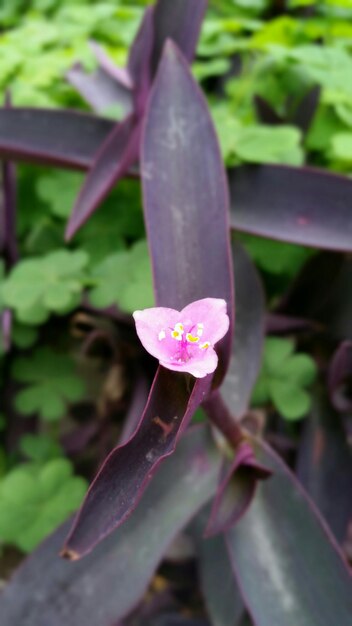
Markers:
(184, 341)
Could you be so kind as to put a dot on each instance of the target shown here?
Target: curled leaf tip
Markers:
(183, 341)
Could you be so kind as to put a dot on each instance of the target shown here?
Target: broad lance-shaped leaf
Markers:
(118, 152)
(298, 205)
(186, 200)
(340, 377)
(287, 565)
(139, 61)
(239, 475)
(324, 466)
(249, 333)
(121, 149)
(179, 21)
(64, 138)
(100, 90)
(194, 171)
(128, 469)
(218, 584)
(48, 591)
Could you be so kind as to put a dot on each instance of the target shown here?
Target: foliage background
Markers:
(248, 48)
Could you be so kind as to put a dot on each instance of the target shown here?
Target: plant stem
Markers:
(221, 417)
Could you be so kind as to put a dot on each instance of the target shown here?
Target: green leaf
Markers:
(124, 279)
(291, 401)
(276, 353)
(276, 257)
(283, 379)
(59, 189)
(53, 383)
(341, 146)
(35, 499)
(40, 448)
(52, 283)
(270, 144)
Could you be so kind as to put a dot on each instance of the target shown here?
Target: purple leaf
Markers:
(238, 482)
(223, 601)
(64, 138)
(288, 567)
(325, 468)
(249, 333)
(128, 469)
(340, 375)
(118, 152)
(185, 193)
(306, 109)
(105, 586)
(265, 113)
(99, 89)
(135, 410)
(195, 162)
(118, 74)
(8, 238)
(277, 323)
(139, 61)
(299, 205)
(180, 21)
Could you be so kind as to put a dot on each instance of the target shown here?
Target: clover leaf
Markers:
(35, 499)
(59, 190)
(283, 379)
(118, 221)
(51, 381)
(52, 283)
(124, 279)
(276, 257)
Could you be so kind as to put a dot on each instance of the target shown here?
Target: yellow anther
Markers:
(192, 338)
(175, 334)
(179, 327)
(204, 345)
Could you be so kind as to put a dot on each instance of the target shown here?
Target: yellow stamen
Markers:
(192, 338)
(176, 335)
(204, 345)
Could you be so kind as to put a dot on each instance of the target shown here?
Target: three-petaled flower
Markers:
(184, 341)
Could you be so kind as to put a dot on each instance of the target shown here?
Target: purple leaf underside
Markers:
(223, 601)
(99, 89)
(238, 482)
(249, 333)
(118, 486)
(139, 61)
(180, 21)
(63, 138)
(102, 589)
(304, 114)
(324, 466)
(340, 377)
(298, 205)
(125, 474)
(117, 154)
(275, 549)
(186, 200)
(265, 112)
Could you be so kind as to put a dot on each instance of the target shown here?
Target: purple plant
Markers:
(265, 535)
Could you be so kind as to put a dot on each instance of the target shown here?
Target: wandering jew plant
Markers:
(253, 525)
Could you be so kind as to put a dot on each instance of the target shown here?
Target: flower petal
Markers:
(199, 367)
(212, 312)
(150, 323)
